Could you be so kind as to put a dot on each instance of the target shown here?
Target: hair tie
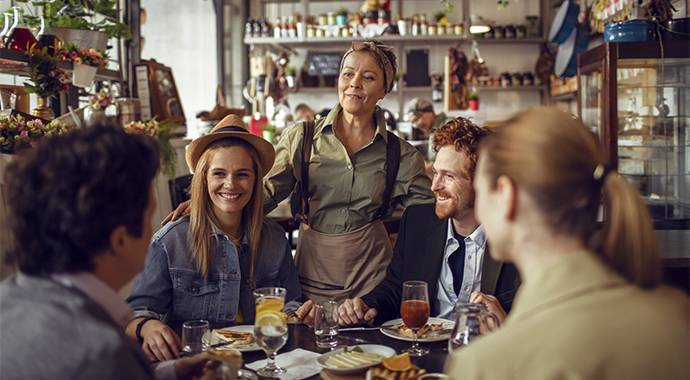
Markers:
(600, 173)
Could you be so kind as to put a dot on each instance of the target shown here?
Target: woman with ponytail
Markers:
(590, 305)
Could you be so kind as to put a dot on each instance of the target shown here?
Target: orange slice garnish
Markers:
(398, 362)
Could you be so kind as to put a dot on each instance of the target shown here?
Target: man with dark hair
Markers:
(444, 244)
(80, 212)
(421, 114)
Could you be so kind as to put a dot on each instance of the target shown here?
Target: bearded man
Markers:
(442, 244)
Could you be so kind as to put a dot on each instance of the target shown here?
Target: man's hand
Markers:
(160, 341)
(305, 313)
(355, 312)
(183, 209)
(196, 368)
(491, 304)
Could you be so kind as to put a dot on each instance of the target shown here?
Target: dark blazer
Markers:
(418, 255)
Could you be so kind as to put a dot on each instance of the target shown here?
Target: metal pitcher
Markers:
(471, 321)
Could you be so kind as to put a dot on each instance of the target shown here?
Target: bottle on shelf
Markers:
(291, 30)
(45, 36)
(19, 37)
(5, 29)
(249, 28)
(415, 25)
(264, 28)
(423, 26)
(277, 26)
(256, 28)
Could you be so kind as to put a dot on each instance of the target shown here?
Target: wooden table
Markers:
(301, 336)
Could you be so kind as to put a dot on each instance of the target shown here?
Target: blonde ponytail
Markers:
(628, 240)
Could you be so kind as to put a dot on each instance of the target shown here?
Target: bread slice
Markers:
(237, 338)
(230, 356)
(404, 330)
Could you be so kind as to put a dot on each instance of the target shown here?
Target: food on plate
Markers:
(351, 359)
(386, 374)
(230, 356)
(233, 338)
(422, 333)
(397, 362)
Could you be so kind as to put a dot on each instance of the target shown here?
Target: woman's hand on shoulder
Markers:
(183, 209)
(160, 341)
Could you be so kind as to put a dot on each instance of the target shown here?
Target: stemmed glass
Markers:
(414, 311)
(270, 326)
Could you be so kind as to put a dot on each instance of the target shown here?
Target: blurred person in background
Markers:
(421, 114)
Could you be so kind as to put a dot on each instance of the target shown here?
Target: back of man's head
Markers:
(465, 136)
(418, 105)
(67, 195)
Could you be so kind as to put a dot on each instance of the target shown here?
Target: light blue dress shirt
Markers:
(475, 245)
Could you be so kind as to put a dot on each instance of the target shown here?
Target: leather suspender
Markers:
(306, 156)
(392, 167)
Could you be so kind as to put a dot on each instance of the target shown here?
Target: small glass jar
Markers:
(489, 34)
(498, 31)
(330, 18)
(345, 32)
(320, 32)
(441, 29)
(323, 20)
(310, 31)
(527, 79)
(457, 29)
(520, 31)
(431, 31)
(509, 31)
(505, 79)
(532, 27)
(516, 79)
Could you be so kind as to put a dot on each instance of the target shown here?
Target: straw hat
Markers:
(231, 126)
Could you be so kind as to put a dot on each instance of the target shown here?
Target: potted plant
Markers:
(269, 132)
(85, 63)
(45, 78)
(17, 133)
(341, 17)
(87, 23)
(473, 101)
(290, 73)
(162, 132)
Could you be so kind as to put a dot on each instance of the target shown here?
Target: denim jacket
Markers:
(171, 288)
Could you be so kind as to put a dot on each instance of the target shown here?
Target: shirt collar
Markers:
(99, 292)
(477, 236)
(330, 119)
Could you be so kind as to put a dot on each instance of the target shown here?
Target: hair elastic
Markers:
(600, 173)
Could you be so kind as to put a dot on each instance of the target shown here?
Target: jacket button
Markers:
(231, 316)
(233, 272)
(195, 289)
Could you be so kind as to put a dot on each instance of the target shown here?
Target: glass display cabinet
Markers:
(635, 96)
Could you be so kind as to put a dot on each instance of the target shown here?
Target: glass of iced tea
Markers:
(414, 311)
(270, 326)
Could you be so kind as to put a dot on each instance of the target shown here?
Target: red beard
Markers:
(452, 207)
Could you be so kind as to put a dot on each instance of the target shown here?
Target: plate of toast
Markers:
(240, 338)
(436, 329)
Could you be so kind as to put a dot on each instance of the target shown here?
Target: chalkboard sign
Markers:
(324, 63)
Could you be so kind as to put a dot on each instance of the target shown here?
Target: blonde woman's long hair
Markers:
(552, 157)
(203, 219)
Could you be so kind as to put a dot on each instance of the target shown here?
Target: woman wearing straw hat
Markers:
(590, 305)
(206, 265)
(343, 248)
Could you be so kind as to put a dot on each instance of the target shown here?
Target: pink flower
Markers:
(65, 88)
(73, 55)
(25, 135)
(82, 50)
(20, 127)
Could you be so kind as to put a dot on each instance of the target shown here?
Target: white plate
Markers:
(379, 350)
(244, 348)
(434, 337)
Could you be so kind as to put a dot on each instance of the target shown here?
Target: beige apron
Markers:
(341, 266)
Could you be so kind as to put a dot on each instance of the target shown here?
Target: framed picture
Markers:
(155, 88)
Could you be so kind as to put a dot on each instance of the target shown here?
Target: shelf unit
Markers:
(400, 43)
(16, 63)
(635, 96)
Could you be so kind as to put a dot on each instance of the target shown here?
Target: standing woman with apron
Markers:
(345, 173)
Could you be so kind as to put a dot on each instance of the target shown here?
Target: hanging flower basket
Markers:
(83, 75)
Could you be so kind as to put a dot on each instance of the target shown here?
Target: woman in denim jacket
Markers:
(207, 264)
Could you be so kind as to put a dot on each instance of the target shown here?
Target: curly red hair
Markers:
(465, 136)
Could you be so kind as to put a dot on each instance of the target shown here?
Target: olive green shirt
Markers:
(344, 191)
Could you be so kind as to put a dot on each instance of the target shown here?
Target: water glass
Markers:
(195, 337)
(326, 324)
